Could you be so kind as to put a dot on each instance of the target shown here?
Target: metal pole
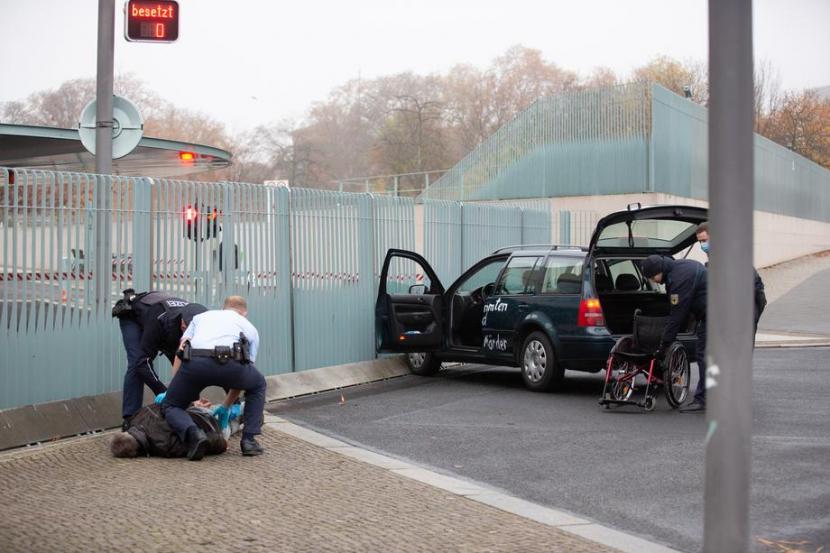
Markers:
(730, 307)
(103, 131)
(103, 149)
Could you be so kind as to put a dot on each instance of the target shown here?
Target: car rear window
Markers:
(653, 233)
(562, 276)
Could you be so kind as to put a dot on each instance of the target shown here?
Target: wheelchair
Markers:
(632, 366)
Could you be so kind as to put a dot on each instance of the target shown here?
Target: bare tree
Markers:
(676, 76)
(767, 95)
(62, 106)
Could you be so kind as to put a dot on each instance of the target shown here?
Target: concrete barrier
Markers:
(44, 422)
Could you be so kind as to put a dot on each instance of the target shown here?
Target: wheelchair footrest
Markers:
(605, 401)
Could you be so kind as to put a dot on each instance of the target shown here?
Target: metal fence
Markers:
(577, 143)
(631, 138)
(574, 228)
(457, 235)
(306, 260)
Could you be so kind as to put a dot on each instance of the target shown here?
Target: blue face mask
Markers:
(705, 247)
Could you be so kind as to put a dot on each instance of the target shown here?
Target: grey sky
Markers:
(252, 61)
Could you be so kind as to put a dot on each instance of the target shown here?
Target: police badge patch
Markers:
(675, 299)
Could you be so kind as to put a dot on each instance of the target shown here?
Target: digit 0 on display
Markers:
(151, 21)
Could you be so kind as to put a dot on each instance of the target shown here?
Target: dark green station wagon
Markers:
(542, 308)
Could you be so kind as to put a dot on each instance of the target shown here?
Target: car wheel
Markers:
(423, 364)
(540, 371)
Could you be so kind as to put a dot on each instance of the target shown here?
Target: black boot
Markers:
(197, 443)
(251, 447)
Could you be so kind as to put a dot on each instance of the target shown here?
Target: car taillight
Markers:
(590, 313)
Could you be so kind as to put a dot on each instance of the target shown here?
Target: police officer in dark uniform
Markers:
(218, 348)
(150, 322)
(685, 282)
(759, 294)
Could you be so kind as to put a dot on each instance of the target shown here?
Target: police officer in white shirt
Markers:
(218, 349)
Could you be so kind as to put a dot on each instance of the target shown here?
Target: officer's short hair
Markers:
(124, 445)
(702, 227)
(235, 302)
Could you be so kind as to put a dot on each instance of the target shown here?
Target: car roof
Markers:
(543, 249)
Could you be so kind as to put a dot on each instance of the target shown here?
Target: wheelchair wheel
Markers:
(623, 376)
(676, 375)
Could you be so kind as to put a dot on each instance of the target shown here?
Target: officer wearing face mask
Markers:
(702, 233)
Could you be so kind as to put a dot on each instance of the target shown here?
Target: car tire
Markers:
(540, 370)
(423, 364)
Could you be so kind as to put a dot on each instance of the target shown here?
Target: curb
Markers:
(474, 491)
(780, 345)
(48, 422)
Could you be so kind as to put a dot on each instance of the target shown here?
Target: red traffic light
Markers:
(151, 21)
(191, 214)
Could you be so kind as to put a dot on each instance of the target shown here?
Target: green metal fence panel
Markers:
(487, 228)
(785, 182)
(442, 238)
(577, 143)
(333, 283)
(790, 184)
(457, 235)
(679, 142)
(394, 220)
(56, 341)
(307, 262)
(632, 138)
(213, 240)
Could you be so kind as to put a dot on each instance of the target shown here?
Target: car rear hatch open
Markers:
(663, 230)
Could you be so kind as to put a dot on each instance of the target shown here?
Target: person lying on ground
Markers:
(148, 433)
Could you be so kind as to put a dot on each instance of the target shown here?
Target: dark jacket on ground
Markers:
(156, 438)
(685, 281)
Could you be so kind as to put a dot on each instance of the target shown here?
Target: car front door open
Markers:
(409, 311)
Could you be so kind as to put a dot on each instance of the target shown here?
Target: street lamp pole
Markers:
(103, 149)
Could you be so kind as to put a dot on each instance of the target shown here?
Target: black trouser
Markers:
(700, 355)
(139, 368)
(760, 304)
(199, 373)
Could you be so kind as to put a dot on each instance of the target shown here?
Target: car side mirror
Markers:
(488, 289)
(419, 289)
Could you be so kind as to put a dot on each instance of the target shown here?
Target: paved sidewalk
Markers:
(799, 298)
(74, 496)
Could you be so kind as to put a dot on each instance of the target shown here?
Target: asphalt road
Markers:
(640, 473)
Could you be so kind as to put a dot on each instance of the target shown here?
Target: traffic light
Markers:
(195, 228)
(212, 223)
(191, 223)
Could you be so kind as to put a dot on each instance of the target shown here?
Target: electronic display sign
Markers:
(151, 21)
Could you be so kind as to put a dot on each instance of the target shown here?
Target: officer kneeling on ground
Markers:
(150, 322)
(218, 349)
(685, 282)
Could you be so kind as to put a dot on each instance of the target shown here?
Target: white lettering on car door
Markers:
(498, 307)
(495, 343)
